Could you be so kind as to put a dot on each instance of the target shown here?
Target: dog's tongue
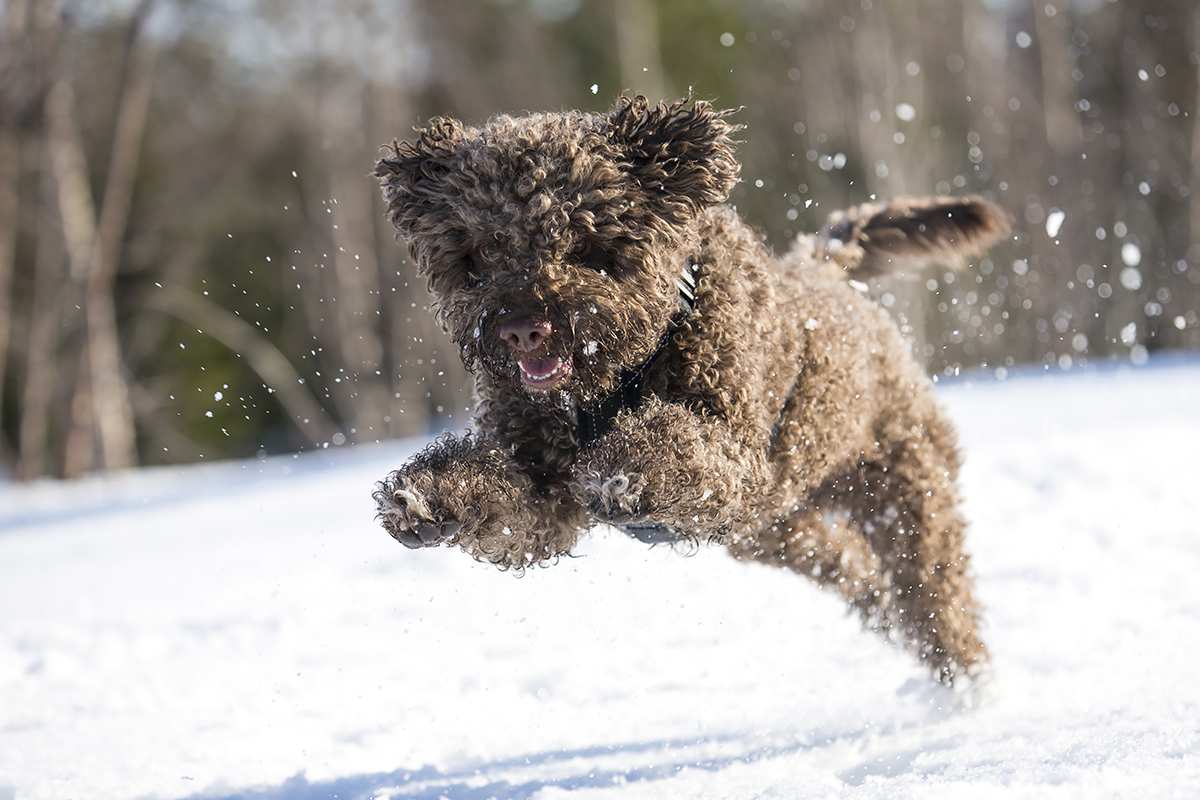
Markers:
(540, 367)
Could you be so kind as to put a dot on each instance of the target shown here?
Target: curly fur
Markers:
(876, 238)
(786, 417)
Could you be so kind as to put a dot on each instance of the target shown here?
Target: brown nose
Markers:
(524, 335)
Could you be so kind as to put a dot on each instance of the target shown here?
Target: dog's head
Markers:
(551, 242)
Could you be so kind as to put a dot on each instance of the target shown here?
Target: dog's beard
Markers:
(591, 348)
(552, 365)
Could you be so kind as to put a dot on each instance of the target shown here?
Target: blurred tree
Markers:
(14, 64)
(194, 261)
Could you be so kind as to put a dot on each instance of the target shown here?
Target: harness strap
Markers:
(594, 421)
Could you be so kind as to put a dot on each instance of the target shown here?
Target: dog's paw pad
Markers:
(425, 534)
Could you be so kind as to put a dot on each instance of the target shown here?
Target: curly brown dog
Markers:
(642, 359)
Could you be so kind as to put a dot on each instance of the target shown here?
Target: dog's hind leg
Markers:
(824, 544)
(908, 508)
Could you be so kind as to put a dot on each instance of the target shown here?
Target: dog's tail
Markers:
(877, 238)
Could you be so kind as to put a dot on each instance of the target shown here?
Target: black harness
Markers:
(594, 421)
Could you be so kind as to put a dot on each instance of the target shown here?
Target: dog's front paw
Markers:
(617, 498)
(407, 517)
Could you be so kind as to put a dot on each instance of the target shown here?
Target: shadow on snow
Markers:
(483, 780)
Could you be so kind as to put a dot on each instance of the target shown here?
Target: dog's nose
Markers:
(524, 335)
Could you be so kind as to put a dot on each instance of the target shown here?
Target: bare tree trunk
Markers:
(10, 197)
(70, 170)
(1058, 90)
(78, 213)
(355, 274)
(1131, 42)
(1194, 177)
(79, 449)
(45, 314)
(402, 294)
(880, 63)
(110, 392)
(636, 27)
(10, 173)
(384, 111)
(101, 414)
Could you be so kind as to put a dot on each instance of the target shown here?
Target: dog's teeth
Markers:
(542, 376)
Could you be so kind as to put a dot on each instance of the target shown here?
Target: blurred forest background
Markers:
(194, 262)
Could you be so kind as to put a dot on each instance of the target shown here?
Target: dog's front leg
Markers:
(667, 465)
(468, 492)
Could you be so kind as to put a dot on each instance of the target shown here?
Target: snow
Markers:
(1054, 221)
(1131, 278)
(245, 630)
(1131, 254)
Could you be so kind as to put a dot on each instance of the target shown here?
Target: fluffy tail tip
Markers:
(877, 238)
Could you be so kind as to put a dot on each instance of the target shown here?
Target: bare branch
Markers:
(262, 356)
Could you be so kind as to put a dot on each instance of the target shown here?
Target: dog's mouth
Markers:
(543, 373)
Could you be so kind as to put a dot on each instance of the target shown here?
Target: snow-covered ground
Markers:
(246, 630)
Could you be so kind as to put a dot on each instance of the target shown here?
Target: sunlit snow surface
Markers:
(247, 631)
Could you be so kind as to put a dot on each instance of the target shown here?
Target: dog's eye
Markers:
(590, 256)
(474, 271)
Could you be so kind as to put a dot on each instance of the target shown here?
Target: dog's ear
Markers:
(681, 153)
(413, 174)
(876, 238)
